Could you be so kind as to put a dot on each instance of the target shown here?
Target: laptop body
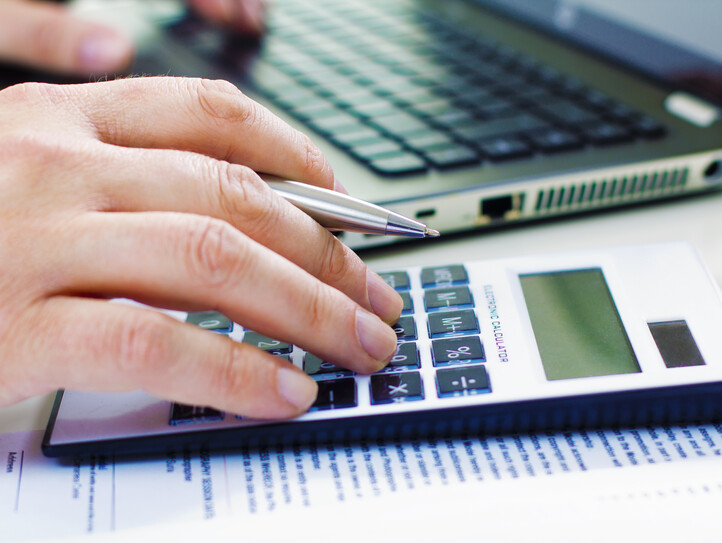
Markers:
(624, 106)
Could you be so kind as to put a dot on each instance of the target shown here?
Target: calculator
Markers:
(602, 338)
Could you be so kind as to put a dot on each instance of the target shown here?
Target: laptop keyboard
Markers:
(404, 92)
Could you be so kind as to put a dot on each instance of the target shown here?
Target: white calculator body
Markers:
(612, 337)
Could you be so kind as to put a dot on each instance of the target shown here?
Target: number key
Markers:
(265, 343)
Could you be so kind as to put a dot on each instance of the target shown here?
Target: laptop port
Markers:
(501, 207)
(424, 213)
(714, 170)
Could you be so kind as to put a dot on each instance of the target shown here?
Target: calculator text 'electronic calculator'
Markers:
(616, 337)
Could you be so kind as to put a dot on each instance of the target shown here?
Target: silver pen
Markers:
(337, 211)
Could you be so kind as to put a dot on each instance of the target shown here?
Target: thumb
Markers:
(46, 36)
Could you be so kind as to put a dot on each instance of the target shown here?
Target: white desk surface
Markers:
(696, 220)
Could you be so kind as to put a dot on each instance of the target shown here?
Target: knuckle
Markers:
(232, 374)
(334, 262)
(315, 162)
(144, 345)
(222, 101)
(230, 189)
(246, 200)
(215, 253)
(315, 316)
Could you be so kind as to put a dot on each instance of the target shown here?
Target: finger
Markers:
(197, 261)
(208, 117)
(46, 36)
(101, 346)
(246, 16)
(162, 180)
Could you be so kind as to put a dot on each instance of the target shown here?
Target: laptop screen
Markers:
(675, 42)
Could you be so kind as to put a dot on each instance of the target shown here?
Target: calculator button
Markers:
(396, 387)
(397, 280)
(187, 414)
(313, 365)
(462, 350)
(462, 381)
(408, 302)
(444, 276)
(266, 343)
(407, 356)
(453, 323)
(335, 394)
(442, 298)
(211, 320)
(405, 329)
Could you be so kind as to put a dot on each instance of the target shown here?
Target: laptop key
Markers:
(452, 157)
(377, 150)
(505, 148)
(404, 164)
(607, 133)
(554, 140)
(484, 130)
(429, 141)
(399, 124)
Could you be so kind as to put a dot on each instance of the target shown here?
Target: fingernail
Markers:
(104, 52)
(385, 301)
(338, 187)
(377, 338)
(297, 388)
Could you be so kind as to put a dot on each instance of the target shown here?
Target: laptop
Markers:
(469, 114)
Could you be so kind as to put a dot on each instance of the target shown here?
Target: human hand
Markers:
(145, 188)
(47, 36)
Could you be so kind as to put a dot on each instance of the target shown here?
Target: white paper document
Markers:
(42, 497)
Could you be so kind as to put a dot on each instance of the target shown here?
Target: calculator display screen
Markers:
(576, 325)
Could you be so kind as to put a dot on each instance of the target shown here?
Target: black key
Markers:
(211, 320)
(375, 109)
(338, 124)
(567, 112)
(362, 136)
(313, 365)
(429, 141)
(317, 112)
(385, 149)
(187, 414)
(462, 381)
(396, 387)
(405, 329)
(453, 157)
(398, 280)
(442, 276)
(648, 127)
(495, 108)
(505, 148)
(452, 323)
(360, 98)
(457, 350)
(553, 140)
(607, 133)
(442, 298)
(266, 343)
(335, 394)
(407, 355)
(401, 165)
(408, 302)
(485, 130)
(399, 124)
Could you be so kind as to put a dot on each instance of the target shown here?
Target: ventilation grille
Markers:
(605, 191)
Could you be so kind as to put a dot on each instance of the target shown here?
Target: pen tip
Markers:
(431, 233)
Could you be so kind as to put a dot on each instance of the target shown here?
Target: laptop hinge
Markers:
(691, 109)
